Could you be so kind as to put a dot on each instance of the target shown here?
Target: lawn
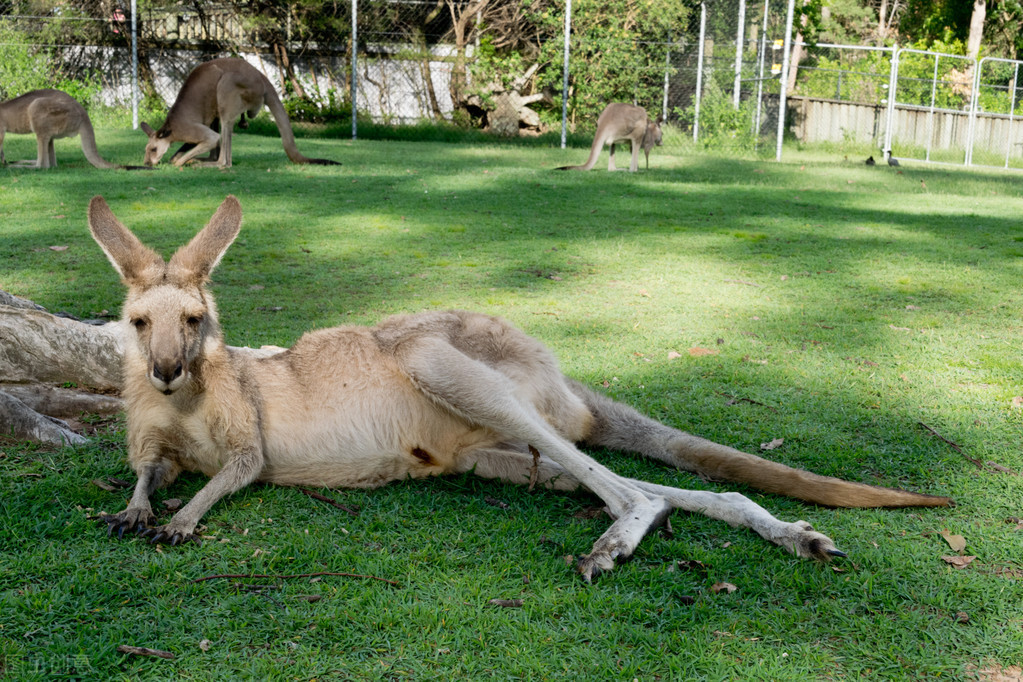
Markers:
(867, 318)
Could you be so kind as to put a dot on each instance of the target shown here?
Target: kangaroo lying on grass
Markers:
(418, 395)
(219, 90)
(49, 114)
(617, 123)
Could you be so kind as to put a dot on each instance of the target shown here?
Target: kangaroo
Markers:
(220, 90)
(49, 114)
(620, 122)
(418, 395)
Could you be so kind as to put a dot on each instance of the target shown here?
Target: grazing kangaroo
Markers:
(620, 122)
(220, 90)
(49, 114)
(417, 395)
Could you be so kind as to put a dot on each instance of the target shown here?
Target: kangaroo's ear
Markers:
(146, 129)
(195, 261)
(133, 261)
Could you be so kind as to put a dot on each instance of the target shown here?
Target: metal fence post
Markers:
(699, 71)
(760, 75)
(893, 84)
(134, 67)
(971, 126)
(784, 78)
(355, 65)
(564, 75)
(740, 37)
(667, 68)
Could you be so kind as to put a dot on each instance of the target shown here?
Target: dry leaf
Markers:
(956, 542)
(958, 561)
(205, 644)
(104, 485)
(697, 351)
(173, 504)
(644, 292)
(776, 443)
(723, 587)
(58, 248)
(506, 603)
(672, 354)
(1017, 401)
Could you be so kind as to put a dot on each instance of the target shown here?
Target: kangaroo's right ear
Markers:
(195, 261)
(146, 129)
(131, 258)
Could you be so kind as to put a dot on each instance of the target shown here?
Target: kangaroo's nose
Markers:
(166, 372)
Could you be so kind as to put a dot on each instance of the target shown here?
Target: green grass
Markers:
(847, 305)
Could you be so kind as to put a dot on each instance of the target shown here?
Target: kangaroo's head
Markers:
(651, 137)
(168, 309)
(158, 144)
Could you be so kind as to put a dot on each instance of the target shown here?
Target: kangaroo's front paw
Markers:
(806, 543)
(169, 535)
(130, 520)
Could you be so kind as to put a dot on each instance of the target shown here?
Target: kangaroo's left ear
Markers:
(195, 261)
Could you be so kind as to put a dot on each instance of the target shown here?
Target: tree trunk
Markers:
(976, 28)
(460, 25)
(55, 367)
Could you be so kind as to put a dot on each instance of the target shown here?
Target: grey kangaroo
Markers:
(620, 122)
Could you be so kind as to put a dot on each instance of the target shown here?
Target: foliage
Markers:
(21, 67)
(856, 77)
(721, 125)
(618, 50)
(316, 108)
(25, 67)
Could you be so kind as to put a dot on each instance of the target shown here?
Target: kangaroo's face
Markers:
(653, 135)
(157, 145)
(171, 313)
(170, 324)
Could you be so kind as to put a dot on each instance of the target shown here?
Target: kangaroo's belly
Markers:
(354, 420)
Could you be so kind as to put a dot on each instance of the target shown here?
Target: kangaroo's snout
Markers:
(167, 375)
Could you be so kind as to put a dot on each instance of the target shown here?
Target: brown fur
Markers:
(49, 114)
(620, 122)
(417, 395)
(214, 96)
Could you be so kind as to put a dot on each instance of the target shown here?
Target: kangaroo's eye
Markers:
(138, 323)
(194, 320)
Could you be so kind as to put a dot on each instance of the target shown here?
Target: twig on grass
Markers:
(976, 462)
(328, 500)
(738, 399)
(144, 651)
(294, 575)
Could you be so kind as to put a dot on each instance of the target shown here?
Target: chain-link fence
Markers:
(711, 73)
(912, 104)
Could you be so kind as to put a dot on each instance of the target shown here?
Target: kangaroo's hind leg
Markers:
(486, 397)
(515, 466)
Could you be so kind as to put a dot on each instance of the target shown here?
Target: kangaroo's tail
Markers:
(620, 427)
(273, 102)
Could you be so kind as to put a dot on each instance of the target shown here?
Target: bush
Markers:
(722, 126)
